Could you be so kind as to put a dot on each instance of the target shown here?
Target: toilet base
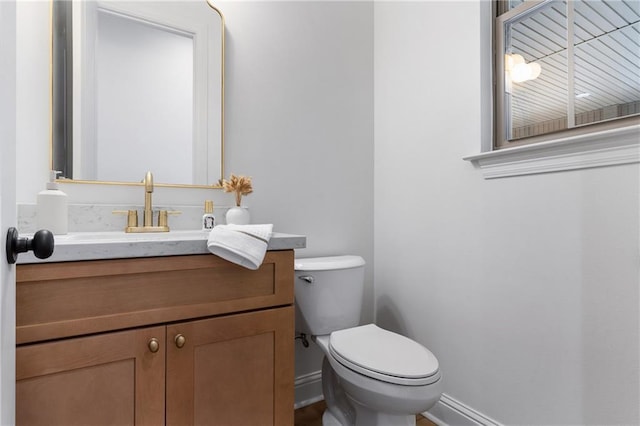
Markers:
(366, 417)
(329, 420)
(343, 410)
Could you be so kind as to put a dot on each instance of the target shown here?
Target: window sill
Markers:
(605, 148)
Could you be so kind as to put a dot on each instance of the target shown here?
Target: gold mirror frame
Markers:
(216, 185)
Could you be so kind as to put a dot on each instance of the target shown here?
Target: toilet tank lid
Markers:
(328, 263)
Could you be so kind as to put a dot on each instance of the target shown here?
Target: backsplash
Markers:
(100, 217)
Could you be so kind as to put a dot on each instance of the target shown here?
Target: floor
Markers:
(311, 415)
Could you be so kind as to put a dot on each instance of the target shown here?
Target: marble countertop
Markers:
(116, 245)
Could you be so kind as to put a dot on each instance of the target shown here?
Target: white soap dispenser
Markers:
(52, 210)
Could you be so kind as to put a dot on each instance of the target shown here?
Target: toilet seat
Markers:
(384, 355)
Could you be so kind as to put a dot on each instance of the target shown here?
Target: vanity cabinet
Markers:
(174, 340)
(107, 379)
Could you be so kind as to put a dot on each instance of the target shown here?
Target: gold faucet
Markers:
(148, 209)
(147, 214)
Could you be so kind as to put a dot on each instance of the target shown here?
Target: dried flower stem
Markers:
(241, 185)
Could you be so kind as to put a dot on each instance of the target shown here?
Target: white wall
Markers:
(526, 288)
(8, 35)
(32, 99)
(299, 120)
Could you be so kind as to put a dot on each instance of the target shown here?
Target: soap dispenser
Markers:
(208, 220)
(52, 209)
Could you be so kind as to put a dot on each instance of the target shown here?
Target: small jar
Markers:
(208, 219)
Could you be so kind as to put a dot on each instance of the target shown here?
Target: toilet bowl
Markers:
(370, 376)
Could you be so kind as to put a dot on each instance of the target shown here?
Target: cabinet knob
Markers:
(154, 345)
(180, 340)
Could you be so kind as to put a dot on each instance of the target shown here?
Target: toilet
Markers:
(370, 376)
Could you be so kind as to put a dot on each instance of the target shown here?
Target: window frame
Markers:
(600, 144)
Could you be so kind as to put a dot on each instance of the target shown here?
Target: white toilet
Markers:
(370, 376)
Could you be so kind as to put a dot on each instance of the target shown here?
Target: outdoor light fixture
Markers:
(519, 71)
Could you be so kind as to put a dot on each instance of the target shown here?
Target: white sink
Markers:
(105, 237)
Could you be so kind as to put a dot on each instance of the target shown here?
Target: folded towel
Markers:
(244, 245)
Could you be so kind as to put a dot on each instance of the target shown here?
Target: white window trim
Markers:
(598, 149)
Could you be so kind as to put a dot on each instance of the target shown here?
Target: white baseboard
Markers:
(450, 412)
(447, 412)
(308, 389)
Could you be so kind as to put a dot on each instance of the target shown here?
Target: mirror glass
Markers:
(569, 64)
(138, 86)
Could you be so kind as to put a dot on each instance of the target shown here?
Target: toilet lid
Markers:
(384, 355)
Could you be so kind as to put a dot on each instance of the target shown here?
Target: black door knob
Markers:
(42, 244)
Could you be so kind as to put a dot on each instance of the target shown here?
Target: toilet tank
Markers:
(328, 293)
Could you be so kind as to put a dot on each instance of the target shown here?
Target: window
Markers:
(565, 83)
(565, 68)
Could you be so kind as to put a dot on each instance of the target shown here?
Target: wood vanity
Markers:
(176, 340)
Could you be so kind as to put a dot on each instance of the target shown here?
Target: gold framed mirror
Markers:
(137, 86)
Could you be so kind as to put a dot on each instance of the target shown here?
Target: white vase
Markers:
(238, 216)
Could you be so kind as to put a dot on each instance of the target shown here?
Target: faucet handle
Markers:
(163, 216)
(132, 217)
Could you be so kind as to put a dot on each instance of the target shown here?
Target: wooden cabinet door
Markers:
(108, 379)
(232, 370)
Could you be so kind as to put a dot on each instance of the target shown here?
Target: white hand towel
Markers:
(244, 245)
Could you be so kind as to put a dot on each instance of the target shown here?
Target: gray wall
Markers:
(525, 288)
(300, 122)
